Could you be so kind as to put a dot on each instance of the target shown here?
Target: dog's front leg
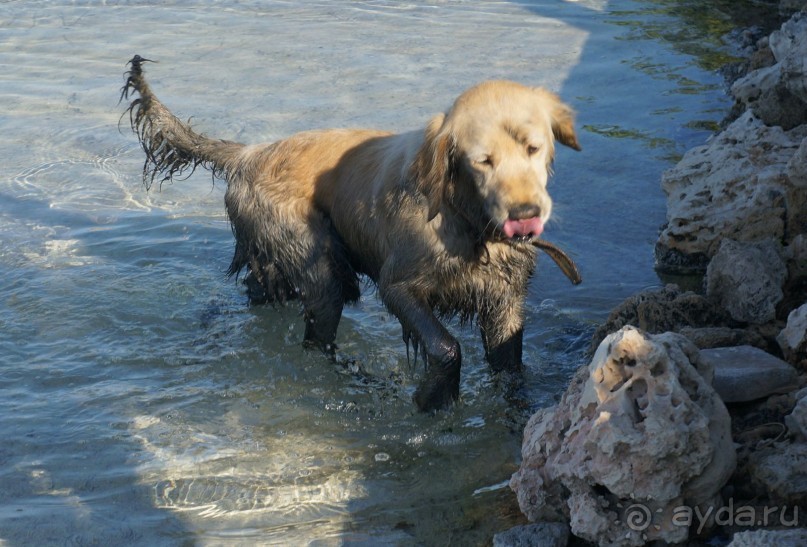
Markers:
(441, 385)
(502, 333)
(504, 355)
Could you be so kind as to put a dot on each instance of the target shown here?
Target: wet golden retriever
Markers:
(439, 219)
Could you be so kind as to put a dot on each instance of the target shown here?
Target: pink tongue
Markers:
(526, 227)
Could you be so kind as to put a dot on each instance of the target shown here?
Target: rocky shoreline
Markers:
(690, 423)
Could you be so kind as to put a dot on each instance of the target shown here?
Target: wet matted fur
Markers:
(439, 218)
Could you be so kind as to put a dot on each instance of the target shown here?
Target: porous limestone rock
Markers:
(746, 280)
(639, 427)
(793, 338)
(737, 186)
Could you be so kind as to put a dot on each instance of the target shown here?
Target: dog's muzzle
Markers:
(523, 221)
(527, 227)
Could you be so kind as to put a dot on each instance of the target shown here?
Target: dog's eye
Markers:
(485, 160)
(532, 149)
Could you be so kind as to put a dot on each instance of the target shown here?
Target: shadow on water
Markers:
(71, 462)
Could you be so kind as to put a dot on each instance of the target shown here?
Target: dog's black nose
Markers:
(524, 211)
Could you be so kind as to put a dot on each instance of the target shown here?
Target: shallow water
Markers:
(143, 402)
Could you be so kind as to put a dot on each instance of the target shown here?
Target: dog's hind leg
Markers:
(321, 293)
(266, 284)
(314, 262)
(300, 256)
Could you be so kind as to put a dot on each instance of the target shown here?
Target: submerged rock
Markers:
(639, 429)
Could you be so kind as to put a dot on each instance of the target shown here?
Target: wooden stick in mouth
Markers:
(566, 264)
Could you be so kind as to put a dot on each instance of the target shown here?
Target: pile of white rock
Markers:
(737, 206)
(748, 183)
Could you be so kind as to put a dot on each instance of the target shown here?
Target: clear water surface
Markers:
(143, 402)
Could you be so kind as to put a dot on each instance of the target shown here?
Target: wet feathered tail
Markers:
(171, 146)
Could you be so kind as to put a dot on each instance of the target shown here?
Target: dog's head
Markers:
(490, 157)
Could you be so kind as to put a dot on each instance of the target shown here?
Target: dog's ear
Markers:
(430, 170)
(561, 118)
(563, 125)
